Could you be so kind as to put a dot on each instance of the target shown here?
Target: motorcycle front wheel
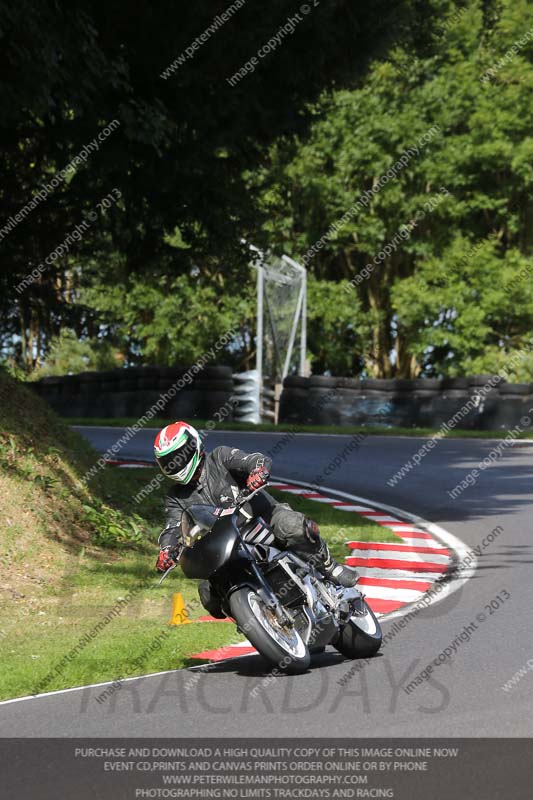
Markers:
(361, 637)
(281, 646)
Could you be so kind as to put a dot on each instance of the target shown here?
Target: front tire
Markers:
(282, 648)
(361, 637)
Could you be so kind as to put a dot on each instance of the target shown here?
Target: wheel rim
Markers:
(291, 642)
(365, 623)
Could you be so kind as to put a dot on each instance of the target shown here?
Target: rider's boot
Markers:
(322, 560)
(333, 571)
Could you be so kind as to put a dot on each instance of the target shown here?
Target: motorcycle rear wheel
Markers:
(282, 648)
(361, 637)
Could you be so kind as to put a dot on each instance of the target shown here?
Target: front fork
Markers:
(245, 572)
(269, 598)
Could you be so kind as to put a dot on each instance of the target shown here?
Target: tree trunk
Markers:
(406, 364)
(23, 335)
(380, 365)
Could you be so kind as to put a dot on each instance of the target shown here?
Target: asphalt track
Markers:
(462, 697)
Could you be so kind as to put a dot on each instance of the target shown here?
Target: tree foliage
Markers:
(70, 355)
(281, 158)
(448, 295)
(185, 134)
(173, 320)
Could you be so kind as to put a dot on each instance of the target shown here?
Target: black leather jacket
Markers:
(223, 475)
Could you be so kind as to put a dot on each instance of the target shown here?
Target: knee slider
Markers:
(311, 531)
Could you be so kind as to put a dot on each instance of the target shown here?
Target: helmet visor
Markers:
(177, 460)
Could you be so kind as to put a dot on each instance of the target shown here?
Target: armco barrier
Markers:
(132, 392)
(406, 403)
(247, 397)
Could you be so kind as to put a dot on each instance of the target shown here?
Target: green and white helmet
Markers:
(178, 449)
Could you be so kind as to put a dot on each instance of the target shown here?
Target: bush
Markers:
(69, 354)
(113, 528)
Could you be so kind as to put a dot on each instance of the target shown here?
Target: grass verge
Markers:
(348, 430)
(46, 637)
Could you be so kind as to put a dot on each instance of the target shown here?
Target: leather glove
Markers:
(257, 478)
(165, 560)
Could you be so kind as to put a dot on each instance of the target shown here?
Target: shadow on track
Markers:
(256, 666)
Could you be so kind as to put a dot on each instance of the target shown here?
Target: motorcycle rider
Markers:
(216, 479)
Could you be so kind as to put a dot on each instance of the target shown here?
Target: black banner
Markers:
(150, 769)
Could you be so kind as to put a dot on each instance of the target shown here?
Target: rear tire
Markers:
(287, 652)
(361, 637)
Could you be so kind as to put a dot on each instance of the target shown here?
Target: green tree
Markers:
(69, 354)
(336, 329)
(185, 134)
(468, 141)
(166, 321)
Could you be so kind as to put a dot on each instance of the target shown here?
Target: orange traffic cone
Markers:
(179, 612)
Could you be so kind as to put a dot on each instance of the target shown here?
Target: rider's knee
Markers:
(311, 531)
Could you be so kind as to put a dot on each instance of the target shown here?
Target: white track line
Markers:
(398, 555)
(399, 574)
(386, 593)
(406, 542)
(353, 508)
(421, 542)
(87, 686)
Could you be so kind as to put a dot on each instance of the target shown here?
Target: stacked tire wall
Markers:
(425, 403)
(176, 391)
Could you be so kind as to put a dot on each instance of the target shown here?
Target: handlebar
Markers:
(245, 495)
(242, 498)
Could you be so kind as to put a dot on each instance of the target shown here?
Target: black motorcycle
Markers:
(282, 604)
